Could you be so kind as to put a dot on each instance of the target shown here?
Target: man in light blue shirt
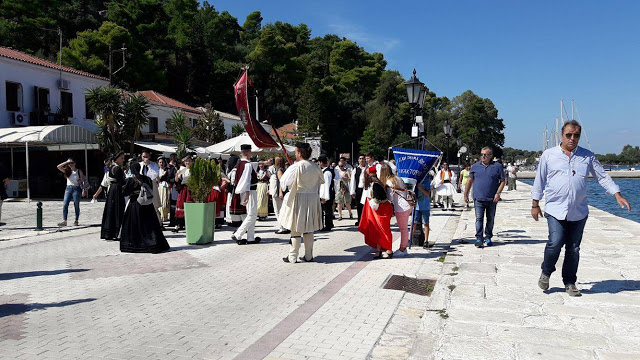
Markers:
(562, 178)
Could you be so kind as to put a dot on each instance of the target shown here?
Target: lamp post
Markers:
(459, 143)
(415, 94)
(448, 131)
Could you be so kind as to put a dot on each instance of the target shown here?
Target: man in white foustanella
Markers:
(246, 185)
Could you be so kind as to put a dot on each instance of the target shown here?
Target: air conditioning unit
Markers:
(20, 119)
(64, 84)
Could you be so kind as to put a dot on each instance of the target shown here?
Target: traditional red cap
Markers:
(372, 169)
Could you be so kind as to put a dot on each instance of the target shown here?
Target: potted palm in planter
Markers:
(200, 215)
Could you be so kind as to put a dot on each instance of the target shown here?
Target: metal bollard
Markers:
(39, 217)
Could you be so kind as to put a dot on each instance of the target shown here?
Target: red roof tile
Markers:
(20, 56)
(288, 131)
(156, 98)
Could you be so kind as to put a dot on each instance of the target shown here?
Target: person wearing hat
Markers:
(301, 212)
(114, 206)
(246, 185)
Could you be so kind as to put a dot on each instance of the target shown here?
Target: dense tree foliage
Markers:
(628, 156)
(192, 52)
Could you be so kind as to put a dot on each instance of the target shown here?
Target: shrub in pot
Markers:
(200, 214)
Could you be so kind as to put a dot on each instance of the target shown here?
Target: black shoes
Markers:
(283, 232)
(305, 259)
(245, 242)
(238, 241)
(286, 259)
(325, 229)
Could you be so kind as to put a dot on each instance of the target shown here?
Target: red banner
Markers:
(256, 132)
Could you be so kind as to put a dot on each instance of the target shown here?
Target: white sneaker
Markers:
(399, 253)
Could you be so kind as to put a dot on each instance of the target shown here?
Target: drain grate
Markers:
(422, 287)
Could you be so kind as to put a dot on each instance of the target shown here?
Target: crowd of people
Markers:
(142, 196)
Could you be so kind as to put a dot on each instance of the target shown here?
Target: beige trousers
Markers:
(294, 248)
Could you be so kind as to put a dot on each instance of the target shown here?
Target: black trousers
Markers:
(172, 213)
(359, 205)
(327, 209)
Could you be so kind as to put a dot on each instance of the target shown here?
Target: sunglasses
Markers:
(486, 155)
(574, 135)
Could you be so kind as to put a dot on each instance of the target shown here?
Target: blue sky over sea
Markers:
(525, 56)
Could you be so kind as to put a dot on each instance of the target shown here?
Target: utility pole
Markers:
(124, 61)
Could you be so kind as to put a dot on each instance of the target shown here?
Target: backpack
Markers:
(146, 195)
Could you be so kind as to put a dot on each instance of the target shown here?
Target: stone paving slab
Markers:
(493, 308)
(69, 295)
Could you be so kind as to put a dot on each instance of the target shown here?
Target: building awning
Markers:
(46, 135)
(167, 149)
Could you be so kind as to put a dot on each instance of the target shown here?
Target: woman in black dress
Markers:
(141, 232)
(114, 206)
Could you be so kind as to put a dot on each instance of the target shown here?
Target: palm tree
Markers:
(136, 115)
(106, 103)
(182, 134)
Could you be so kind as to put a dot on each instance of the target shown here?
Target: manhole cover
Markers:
(422, 287)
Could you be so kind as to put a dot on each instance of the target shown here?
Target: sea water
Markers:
(597, 197)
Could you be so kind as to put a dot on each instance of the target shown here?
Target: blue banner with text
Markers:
(413, 165)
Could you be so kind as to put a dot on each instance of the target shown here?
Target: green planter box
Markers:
(199, 221)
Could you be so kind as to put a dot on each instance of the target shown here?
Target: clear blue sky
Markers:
(524, 56)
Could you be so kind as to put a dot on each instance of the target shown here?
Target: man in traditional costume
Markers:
(245, 192)
(444, 180)
(327, 192)
(301, 212)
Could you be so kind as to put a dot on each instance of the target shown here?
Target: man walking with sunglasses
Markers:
(562, 179)
(487, 178)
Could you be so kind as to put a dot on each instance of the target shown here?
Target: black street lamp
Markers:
(459, 143)
(448, 131)
(415, 94)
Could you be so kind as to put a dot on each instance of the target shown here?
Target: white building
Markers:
(162, 108)
(34, 91)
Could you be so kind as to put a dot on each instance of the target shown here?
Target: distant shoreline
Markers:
(617, 174)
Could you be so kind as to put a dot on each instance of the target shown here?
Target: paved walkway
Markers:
(68, 295)
(487, 304)
(19, 217)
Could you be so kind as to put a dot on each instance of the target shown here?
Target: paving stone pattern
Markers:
(69, 295)
(487, 304)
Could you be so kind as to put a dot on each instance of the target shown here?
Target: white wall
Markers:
(30, 75)
(163, 113)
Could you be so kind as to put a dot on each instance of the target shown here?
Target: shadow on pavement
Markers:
(500, 242)
(19, 275)
(611, 286)
(335, 259)
(16, 309)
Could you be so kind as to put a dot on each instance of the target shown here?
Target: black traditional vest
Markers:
(358, 174)
(332, 189)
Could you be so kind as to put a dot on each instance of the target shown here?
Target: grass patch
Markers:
(455, 268)
(441, 258)
(452, 274)
(443, 313)
(455, 254)
(451, 287)
(429, 287)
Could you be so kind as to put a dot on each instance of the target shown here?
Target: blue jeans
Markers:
(482, 207)
(74, 192)
(568, 234)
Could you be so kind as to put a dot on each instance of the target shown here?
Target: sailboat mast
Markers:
(572, 117)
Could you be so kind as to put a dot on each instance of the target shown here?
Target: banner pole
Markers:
(284, 150)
